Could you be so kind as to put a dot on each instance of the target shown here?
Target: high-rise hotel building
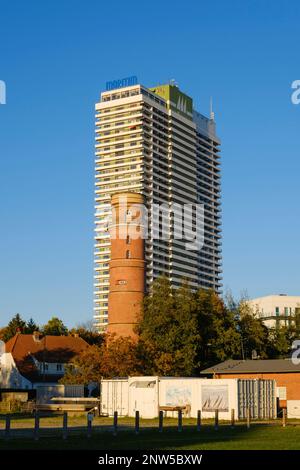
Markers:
(152, 141)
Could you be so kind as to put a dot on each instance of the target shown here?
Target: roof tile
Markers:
(50, 349)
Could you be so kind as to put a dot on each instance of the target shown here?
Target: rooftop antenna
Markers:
(212, 114)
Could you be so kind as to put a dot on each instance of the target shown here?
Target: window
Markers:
(59, 367)
(286, 311)
(128, 254)
(281, 392)
(277, 311)
(128, 240)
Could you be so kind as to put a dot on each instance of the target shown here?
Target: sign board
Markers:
(121, 83)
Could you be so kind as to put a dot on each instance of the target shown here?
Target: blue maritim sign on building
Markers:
(123, 82)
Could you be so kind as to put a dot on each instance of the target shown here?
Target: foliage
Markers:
(31, 326)
(87, 332)
(280, 342)
(2, 333)
(180, 332)
(16, 324)
(55, 327)
(254, 335)
(168, 330)
(219, 337)
(114, 358)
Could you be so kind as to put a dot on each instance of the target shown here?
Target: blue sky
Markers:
(55, 58)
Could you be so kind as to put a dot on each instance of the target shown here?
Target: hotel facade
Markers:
(153, 142)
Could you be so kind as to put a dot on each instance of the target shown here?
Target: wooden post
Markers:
(284, 417)
(115, 423)
(137, 422)
(89, 424)
(216, 420)
(248, 417)
(232, 418)
(65, 425)
(198, 420)
(7, 427)
(179, 420)
(161, 421)
(36, 425)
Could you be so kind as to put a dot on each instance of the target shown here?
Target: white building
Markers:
(153, 142)
(276, 310)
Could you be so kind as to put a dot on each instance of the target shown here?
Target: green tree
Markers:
(85, 367)
(255, 335)
(219, 337)
(280, 342)
(55, 327)
(168, 330)
(31, 326)
(16, 324)
(87, 332)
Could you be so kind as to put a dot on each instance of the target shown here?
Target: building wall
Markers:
(289, 380)
(44, 393)
(119, 168)
(158, 146)
(276, 310)
(127, 264)
(9, 374)
(54, 368)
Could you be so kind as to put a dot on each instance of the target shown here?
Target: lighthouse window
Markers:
(128, 240)
(128, 254)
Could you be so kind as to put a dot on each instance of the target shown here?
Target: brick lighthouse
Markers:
(127, 264)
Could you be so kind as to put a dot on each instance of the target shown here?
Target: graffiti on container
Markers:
(178, 396)
(215, 397)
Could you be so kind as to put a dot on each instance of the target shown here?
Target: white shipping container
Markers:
(114, 396)
(147, 394)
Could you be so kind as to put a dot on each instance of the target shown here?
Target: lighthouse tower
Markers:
(127, 264)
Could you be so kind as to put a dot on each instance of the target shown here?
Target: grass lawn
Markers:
(258, 437)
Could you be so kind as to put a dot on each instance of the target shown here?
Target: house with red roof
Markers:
(32, 360)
